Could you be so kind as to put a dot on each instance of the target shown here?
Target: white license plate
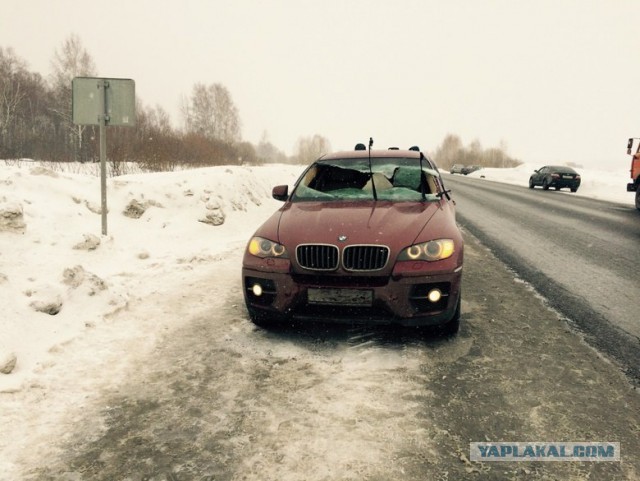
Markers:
(340, 297)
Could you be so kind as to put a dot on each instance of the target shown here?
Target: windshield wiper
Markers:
(423, 180)
(444, 193)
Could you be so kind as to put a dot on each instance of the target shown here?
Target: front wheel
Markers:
(531, 184)
(262, 319)
(545, 184)
(638, 198)
(574, 189)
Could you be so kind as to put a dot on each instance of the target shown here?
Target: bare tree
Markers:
(185, 111)
(451, 151)
(11, 95)
(212, 113)
(25, 125)
(71, 60)
(267, 152)
(225, 113)
(309, 149)
(199, 112)
(156, 140)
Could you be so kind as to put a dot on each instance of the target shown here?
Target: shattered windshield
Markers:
(395, 179)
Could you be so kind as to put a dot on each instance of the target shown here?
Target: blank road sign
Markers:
(121, 102)
(90, 102)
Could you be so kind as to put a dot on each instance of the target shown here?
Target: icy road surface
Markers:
(219, 399)
(580, 253)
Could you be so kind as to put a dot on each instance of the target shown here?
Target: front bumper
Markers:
(396, 299)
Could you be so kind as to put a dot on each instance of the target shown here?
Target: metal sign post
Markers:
(103, 101)
(103, 153)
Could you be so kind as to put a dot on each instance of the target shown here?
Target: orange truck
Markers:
(634, 186)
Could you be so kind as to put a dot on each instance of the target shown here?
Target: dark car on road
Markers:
(456, 169)
(468, 169)
(364, 236)
(555, 176)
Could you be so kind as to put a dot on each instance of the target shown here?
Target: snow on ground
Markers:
(60, 276)
(62, 282)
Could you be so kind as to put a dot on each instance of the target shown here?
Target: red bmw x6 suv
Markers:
(364, 236)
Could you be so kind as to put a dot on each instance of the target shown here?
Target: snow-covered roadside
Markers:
(61, 278)
(78, 307)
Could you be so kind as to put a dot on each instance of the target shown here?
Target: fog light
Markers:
(257, 290)
(434, 295)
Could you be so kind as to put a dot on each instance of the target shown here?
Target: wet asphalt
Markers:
(581, 254)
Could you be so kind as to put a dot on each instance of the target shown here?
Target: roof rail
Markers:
(360, 147)
(394, 148)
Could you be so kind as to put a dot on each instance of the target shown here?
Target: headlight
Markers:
(261, 247)
(434, 250)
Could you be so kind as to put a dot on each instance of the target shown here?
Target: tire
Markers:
(260, 318)
(531, 184)
(638, 198)
(574, 189)
(545, 185)
(451, 327)
(557, 188)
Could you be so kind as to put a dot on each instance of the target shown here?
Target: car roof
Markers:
(561, 168)
(359, 154)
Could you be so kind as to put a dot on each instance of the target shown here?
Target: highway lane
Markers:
(581, 254)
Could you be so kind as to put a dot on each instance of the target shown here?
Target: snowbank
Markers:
(60, 277)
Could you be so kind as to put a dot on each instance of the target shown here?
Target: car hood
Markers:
(394, 224)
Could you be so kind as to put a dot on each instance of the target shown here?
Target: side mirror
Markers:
(629, 146)
(280, 192)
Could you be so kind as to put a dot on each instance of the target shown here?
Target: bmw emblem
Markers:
(342, 238)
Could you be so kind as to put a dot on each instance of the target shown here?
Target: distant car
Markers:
(467, 169)
(365, 236)
(555, 176)
(456, 169)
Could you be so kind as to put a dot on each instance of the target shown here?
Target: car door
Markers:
(539, 176)
(535, 177)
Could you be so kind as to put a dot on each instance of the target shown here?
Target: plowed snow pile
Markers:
(60, 277)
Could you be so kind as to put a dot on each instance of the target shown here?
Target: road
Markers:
(581, 254)
(217, 398)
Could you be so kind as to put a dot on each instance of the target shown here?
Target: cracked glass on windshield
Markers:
(395, 179)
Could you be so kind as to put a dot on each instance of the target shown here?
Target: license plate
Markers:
(340, 297)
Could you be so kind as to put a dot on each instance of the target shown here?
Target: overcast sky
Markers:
(556, 81)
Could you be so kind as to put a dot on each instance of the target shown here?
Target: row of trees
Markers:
(452, 151)
(36, 122)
